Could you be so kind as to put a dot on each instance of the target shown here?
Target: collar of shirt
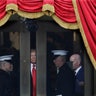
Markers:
(32, 66)
(76, 71)
(57, 70)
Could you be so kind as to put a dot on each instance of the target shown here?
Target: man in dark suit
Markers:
(79, 73)
(5, 80)
(65, 81)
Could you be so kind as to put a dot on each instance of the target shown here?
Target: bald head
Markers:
(75, 56)
(76, 60)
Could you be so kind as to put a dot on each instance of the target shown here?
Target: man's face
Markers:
(74, 61)
(33, 57)
(8, 67)
(59, 61)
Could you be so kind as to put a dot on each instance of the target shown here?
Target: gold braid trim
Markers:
(48, 9)
(83, 35)
(12, 7)
(5, 18)
(30, 15)
(64, 24)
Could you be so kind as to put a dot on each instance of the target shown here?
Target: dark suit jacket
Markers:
(80, 77)
(5, 84)
(65, 84)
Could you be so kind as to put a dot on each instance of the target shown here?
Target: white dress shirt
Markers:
(77, 70)
(32, 67)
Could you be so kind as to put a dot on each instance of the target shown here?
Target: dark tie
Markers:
(34, 81)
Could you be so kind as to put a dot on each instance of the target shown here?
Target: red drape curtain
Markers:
(71, 14)
(11, 1)
(2, 8)
(30, 5)
(4, 15)
(86, 18)
(65, 11)
(48, 5)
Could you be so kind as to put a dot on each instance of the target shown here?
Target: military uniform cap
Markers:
(60, 52)
(7, 58)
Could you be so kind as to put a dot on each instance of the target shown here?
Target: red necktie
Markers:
(34, 81)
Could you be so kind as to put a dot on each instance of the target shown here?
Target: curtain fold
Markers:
(64, 14)
(86, 17)
(11, 5)
(2, 9)
(48, 7)
(30, 5)
(65, 11)
(70, 14)
(30, 8)
(4, 16)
